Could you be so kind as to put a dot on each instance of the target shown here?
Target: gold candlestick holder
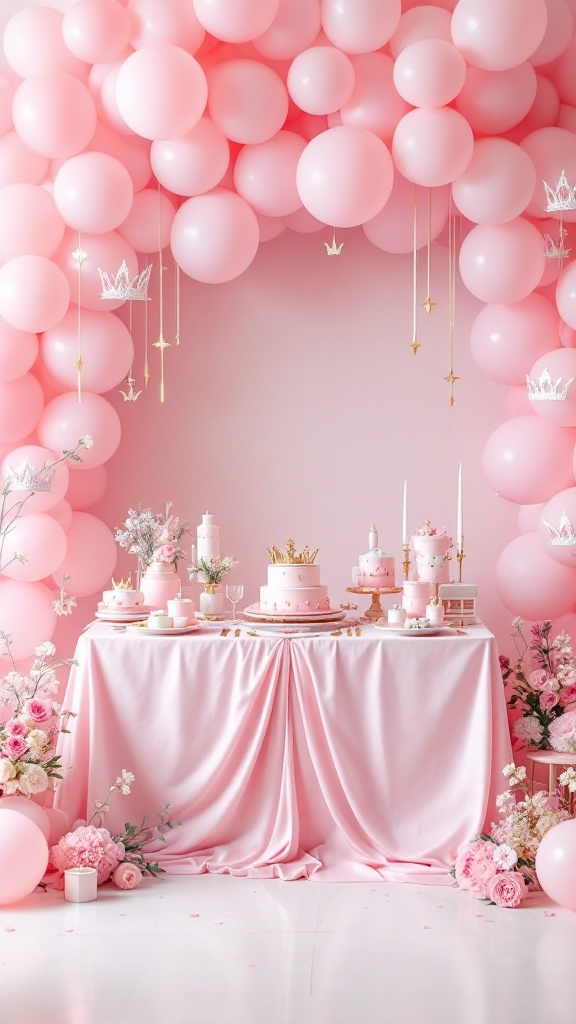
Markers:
(406, 563)
(460, 556)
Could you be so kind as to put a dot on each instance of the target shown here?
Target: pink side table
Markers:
(554, 759)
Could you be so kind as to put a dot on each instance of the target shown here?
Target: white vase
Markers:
(212, 600)
(160, 584)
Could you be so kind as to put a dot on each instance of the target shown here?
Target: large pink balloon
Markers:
(236, 21)
(131, 151)
(34, 293)
(320, 79)
(531, 584)
(19, 163)
(102, 252)
(552, 150)
(96, 30)
(18, 351)
(559, 30)
(161, 91)
(265, 175)
(556, 864)
(23, 856)
(26, 613)
(432, 147)
(562, 72)
(65, 420)
(90, 557)
(102, 85)
(30, 222)
(566, 294)
(517, 402)
(165, 21)
(106, 347)
(560, 365)
(392, 229)
(147, 226)
(30, 809)
(37, 457)
(33, 43)
(528, 459)
(215, 236)
(497, 184)
(345, 176)
(54, 114)
(495, 101)
(21, 403)
(193, 163)
(247, 101)
(93, 192)
(295, 27)
(360, 26)
(552, 527)
(529, 517)
(374, 104)
(429, 73)
(502, 262)
(41, 540)
(544, 110)
(421, 22)
(495, 36)
(506, 340)
(86, 488)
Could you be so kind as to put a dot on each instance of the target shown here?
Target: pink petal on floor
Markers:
(9, 929)
(193, 915)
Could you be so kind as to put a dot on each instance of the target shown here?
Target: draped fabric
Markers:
(324, 757)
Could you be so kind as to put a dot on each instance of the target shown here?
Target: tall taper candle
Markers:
(459, 532)
(405, 516)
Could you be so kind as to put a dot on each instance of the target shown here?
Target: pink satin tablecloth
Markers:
(333, 758)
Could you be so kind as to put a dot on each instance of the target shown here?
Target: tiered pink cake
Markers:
(432, 550)
(121, 596)
(293, 584)
(376, 569)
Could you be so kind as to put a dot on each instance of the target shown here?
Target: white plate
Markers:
(173, 631)
(402, 631)
(122, 616)
(297, 629)
(254, 614)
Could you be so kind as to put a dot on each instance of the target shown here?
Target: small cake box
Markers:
(459, 600)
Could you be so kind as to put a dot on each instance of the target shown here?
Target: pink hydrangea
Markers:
(475, 867)
(562, 732)
(88, 847)
(507, 889)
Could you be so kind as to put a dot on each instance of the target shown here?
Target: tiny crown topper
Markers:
(562, 198)
(555, 248)
(545, 390)
(431, 531)
(563, 535)
(123, 287)
(26, 478)
(290, 556)
(122, 584)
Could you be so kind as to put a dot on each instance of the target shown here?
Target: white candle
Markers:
(372, 538)
(80, 885)
(405, 516)
(459, 517)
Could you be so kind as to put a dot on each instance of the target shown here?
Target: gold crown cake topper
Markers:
(122, 584)
(290, 556)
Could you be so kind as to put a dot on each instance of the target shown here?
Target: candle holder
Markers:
(460, 556)
(406, 563)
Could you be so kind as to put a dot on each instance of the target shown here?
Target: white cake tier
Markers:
(122, 598)
(439, 573)
(293, 575)
(294, 600)
(376, 571)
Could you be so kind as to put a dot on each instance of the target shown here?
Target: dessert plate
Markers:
(122, 615)
(254, 614)
(402, 631)
(295, 628)
(169, 631)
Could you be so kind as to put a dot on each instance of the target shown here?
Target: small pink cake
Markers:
(376, 570)
(293, 584)
(432, 550)
(122, 596)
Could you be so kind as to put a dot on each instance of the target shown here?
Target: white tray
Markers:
(123, 616)
(168, 631)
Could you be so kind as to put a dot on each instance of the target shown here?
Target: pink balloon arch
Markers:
(206, 129)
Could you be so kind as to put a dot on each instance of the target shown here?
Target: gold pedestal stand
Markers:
(375, 610)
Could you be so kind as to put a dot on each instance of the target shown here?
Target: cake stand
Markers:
(375, 610)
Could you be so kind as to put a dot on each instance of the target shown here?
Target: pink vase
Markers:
(160, 584)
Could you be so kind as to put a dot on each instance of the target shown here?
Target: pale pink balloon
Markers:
(559, 30)
(30, 222)
(102, 85)
(37, 457)
(236, 21)
(62, 512)
(429, 73)
(59, 824)
(494, 101)
(529, 517)
(496, 36)
(303, 223)
(161, 91)
(374, 104)
(18, 351)
(7, 90)
(566, 117)
(96, 30)
(562, 73)
(392, 229)
(497, 184)
(107, 350)
(131, 151)
(295, 27)
(447, 5)
(86, 488)
(165, 21)
(34, 44)
(543, 112)
(506, 340)
(360, 26)
(21, 404)
(23, 856)
(556, 864)
(560, 365)
(247, 101)
(26, 613)
(30, 809)
(147, 226)
(517, 402)
(502, 262)
(215, 236)
(54, 114)
(41, 540)
(34, 293)
(19, 163)
(320, 79)
(103, 252)
(557, 522)
(345, 176)
(528, 459)
(552, 151)
(566, 294)
(270, 227)
(90, 557)
(265, 175)
(421, 22)
(93, 192)
(531, 584)
(195, 162)
(432, 147)
(65, 420)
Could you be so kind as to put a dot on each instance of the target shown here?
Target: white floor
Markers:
(219, 950)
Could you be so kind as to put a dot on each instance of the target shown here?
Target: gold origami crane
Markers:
(130, 395)
(333, 249)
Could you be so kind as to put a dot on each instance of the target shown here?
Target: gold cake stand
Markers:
(375, 610)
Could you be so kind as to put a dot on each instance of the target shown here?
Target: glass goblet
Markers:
(234, 593)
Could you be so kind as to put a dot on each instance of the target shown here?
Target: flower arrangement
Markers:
(214, 569)
(120, 858)
(34, 721)
(543, 684)
(500, 867)
(152, 536)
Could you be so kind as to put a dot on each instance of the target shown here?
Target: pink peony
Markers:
(127, 875)
(507, 889)
(88, 847)
(475, 867)
(14, 747)
(562, 732)
(548, 700)
(38, 710)
(538, 679)
(567, 695)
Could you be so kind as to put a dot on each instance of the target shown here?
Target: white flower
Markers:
(528, 730)
(38, 742)
(505, 857)
(518, 623)
(45, 650)
(568, 778)
(7, 771)
(33, 779)
(86, 441)
(123, 781)
(515, 775)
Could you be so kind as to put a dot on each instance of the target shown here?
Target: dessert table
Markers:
(361, 756)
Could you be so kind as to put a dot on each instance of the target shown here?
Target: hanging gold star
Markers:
(79, 256)
(451, 380)
(415, 344)
(428, 304)
(79, 362)
(333, 249)
(161, 343)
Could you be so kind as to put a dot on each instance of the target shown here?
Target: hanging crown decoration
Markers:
(26, 478)
(555, 249)
(123, 287)
(545, 390)
(564, 535)
(562, 198)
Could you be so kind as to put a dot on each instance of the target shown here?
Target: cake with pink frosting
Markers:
(376, 570)
(432, 550)
(293, 584)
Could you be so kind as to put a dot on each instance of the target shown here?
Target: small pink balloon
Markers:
(360, 26)
(562, 72)
(65, 420)
(107, 350)
(161, 91)
(528, 459)
(131, 151)
(29, 809)
(215, 236)
(30, 222)
(544, 110)
(555, 526)
(518, 403)
(236, 22)
(303, 223)
(18, 351)
(19, 163)
(54, 114)
(34, 293)
(295, 27)
(494, 101)
(147, 226)
(555, 373)
(93, 192)
(86, 488)
(566, 294)
(165, 21)
(320, 79)
(265, 174)
(102, 85)
(104, 253)
(531, 584)
(36, 456)
(429, 73)
(374, 103)
(495, 37)
(34, 44)
(247, 101)
(270, 227)
(502, 262)
(43, 543)
(556, 864)
(392, 229)
(23, 856)
(26, 613)
(193, 163)
(552, 151)
(421, 22)
(506, 340)
(497, 184)
(90, 557)
(559, 31)
(529, 517)
(432, 147)
(96, 30)
(21, 404)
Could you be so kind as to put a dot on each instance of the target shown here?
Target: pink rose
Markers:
(562, 732)
(567, 695)
(548, 700)
(127, 875)
(538, 679)
(475, 867)
(39, 710)
(507, 889)
(16, 727)
(14, 747)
